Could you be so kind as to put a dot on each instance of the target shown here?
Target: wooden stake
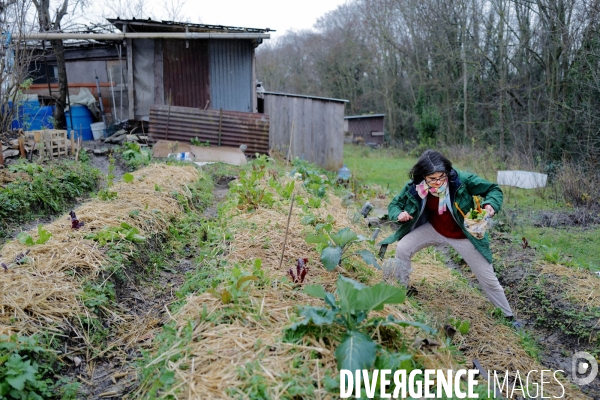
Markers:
(22, 146)
(78, 148)
(287, 228)
(1, 156)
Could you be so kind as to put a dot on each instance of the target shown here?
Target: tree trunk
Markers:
(59, 112)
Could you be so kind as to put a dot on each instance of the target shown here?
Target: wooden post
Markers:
(220, 124)
(1, 156)
(130, 79)
(72, 142)
(22, 146)
(287, 228)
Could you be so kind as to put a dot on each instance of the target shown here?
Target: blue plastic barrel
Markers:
(82, 119)
(42, 119)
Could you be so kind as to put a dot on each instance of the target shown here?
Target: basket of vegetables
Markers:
(476, 220)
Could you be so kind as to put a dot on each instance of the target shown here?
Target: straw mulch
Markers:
(213, 365)
(45, 290)
(579, 285)
(495, 346)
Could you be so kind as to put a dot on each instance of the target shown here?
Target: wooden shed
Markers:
(368, 129)
(162, 63)
(307, 127)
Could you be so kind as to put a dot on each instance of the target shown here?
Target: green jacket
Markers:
(463, 186)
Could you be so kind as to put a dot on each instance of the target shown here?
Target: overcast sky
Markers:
(280, 15)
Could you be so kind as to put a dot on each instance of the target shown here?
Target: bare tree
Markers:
(173, 10)
(15, 57)
(49, 24)
(127, 9)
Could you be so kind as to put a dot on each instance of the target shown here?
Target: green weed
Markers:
(27, 371)
(49, 190)
(135, 156)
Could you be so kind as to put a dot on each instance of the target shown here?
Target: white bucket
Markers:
(98, 130)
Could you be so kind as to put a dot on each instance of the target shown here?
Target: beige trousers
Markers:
(425, 236)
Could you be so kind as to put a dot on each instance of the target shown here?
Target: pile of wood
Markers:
(49, 143)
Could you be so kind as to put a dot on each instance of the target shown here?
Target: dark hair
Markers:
(430, 162)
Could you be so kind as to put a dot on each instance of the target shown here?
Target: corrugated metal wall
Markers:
(186, 73)
(231, 75)
(229, 128)
(313, 127)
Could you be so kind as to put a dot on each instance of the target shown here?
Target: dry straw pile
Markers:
(44, 292)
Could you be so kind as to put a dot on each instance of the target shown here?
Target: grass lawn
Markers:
(576, 246)
(385, 167)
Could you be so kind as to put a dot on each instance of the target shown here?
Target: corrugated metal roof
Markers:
(307, 97)
(365, 116)
(149, 25)
(236, 128)
(231, 75)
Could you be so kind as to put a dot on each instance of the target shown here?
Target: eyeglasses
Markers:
(436, 180)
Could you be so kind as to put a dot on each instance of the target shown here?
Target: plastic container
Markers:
(42, 118)
(344, 173)
(82, 121)
(98, 130)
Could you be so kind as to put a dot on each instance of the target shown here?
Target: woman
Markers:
(428, 216)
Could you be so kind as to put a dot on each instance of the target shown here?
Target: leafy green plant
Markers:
(250, 194)
(284, 191)
(27, 370)
(459, 325)
(237, 284)
(350, 311)
(128, 178)
(314, 202)
(43, 237)
(135, 156)
(315, 181)
(197, 142)
(50, 191)
(95, 296)
(337, 245)
(121, 232)
(106, 193)
(30, 168)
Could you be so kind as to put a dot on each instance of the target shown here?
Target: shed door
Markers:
(185, 72)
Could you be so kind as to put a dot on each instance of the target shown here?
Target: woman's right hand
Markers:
(404, 216)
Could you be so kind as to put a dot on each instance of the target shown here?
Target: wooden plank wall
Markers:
(316, 127)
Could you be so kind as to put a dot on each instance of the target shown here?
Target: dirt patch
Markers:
(582, 217)
(7, 177)
(102, 161)
(220, 192)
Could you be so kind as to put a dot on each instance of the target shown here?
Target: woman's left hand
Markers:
(490, 210)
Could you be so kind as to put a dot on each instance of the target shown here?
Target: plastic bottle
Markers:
(344, 173)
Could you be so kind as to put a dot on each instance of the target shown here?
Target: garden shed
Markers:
(368, 129)
(167, 63)
(308, 127)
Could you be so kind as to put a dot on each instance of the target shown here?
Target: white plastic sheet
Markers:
(86, 98)
(522, 179)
